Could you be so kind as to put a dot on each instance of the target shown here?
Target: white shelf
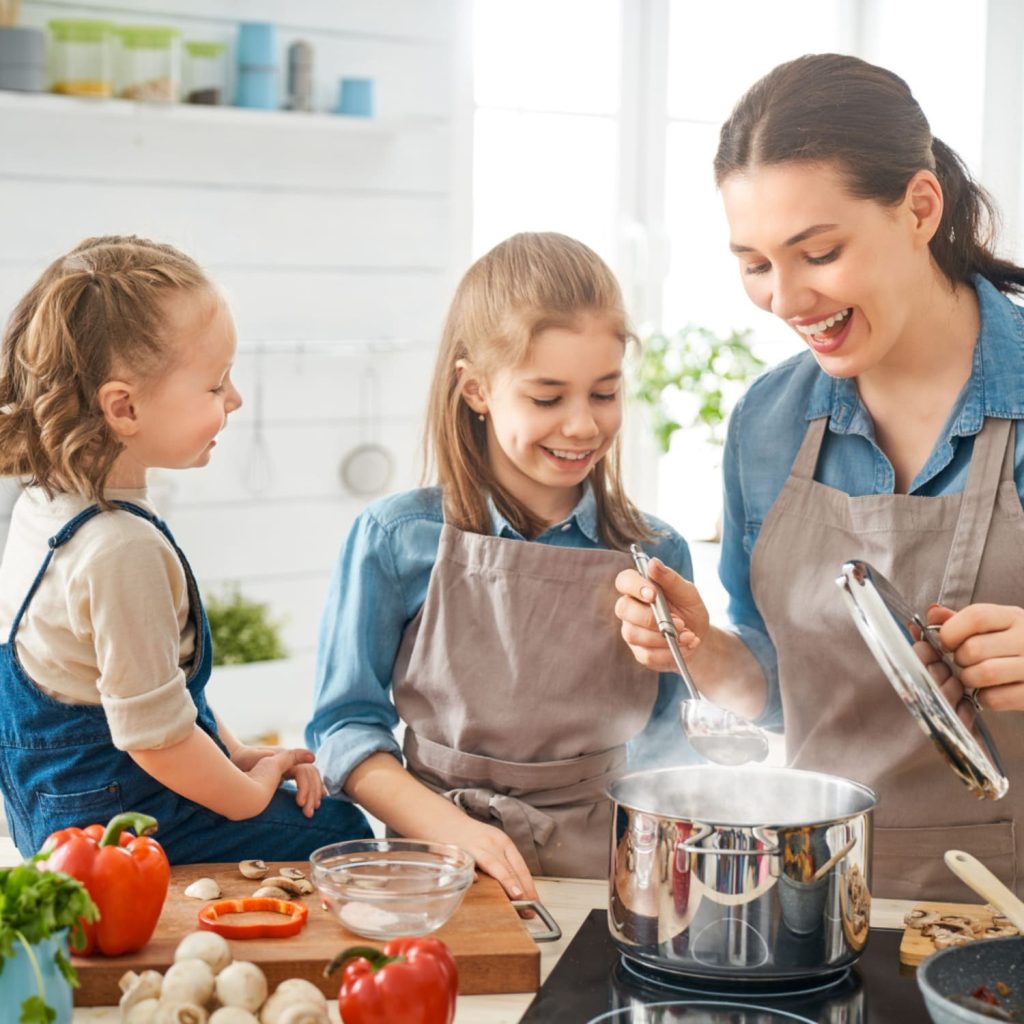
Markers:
(201, 114)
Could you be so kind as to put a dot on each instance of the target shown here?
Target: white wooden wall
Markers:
(337, 241)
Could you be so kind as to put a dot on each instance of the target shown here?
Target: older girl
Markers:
(895, 438)
(119, 360)
(482, 604)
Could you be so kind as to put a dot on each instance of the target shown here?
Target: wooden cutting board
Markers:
(915, 947)
(491, 945)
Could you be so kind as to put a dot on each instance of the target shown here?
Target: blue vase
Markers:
(18, 980)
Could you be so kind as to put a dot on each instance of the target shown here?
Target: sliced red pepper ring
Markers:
(293, 918)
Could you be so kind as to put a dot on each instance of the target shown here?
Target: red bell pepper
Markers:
(414, 981)
(126, 877)
(293, 918)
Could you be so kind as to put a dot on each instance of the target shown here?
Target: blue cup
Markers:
(257, 89)
(257, 44)
(355, 97)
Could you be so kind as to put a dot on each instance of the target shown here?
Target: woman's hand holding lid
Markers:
(987, 641)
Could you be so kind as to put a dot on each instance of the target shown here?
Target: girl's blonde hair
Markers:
(93, 312)
(523, 286)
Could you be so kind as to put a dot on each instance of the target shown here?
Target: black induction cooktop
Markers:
(593, 983)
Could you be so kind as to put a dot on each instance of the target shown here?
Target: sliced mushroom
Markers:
(291, 873)
(293, 886)
(254, 868)
(203, 889)
(943, 939)
(955, 923)
(274, 892)
(918, 918)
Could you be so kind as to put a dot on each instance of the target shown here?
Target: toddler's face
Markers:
(551, 418)
(184, 409)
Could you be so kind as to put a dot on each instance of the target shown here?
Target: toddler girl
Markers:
(118, 360)
(483, 604)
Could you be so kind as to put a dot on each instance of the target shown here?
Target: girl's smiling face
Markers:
(838, 269)
(552, 417)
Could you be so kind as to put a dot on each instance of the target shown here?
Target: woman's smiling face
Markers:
(838, 269)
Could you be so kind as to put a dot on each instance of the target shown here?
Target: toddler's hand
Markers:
(245, 757)
(274, 764)
(310, 787)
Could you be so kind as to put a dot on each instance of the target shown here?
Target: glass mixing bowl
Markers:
(384, 888)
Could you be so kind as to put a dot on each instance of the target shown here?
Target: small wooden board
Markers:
(915, 947)
(491, 945)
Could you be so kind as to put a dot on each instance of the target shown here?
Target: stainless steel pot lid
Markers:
(885, 621)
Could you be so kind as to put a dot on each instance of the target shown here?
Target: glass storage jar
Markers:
(205, 72)
(149, 63)
(81, 57)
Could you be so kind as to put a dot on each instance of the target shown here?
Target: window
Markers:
(609, 135)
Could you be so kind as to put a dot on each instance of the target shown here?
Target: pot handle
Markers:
(689, 845)
(553, 933)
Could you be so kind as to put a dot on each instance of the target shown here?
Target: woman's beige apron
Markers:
(842, 715)
(519, 694)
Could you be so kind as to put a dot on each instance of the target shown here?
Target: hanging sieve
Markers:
(366, 469)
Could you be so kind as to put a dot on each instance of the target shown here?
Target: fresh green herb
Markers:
(33, 905)
(242, 630)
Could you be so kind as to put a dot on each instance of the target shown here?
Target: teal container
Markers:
(18, 980)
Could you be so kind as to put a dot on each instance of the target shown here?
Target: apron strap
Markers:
(526, 826)
(993, 447)
(806, 461)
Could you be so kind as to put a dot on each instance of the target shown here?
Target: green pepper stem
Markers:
(34, 963)
(377, 958)
(140, 824)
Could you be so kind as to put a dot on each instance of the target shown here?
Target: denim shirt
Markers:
(768, 425)
(380, 583)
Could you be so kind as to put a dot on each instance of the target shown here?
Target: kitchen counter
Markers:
(569, 900)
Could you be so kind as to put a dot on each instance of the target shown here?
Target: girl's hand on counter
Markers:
(987, 641)
(639, 627)
(495, 854)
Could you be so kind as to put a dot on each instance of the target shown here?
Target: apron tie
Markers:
(525, 825)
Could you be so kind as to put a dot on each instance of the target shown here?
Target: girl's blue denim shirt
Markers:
(768, 425)
(380, 583)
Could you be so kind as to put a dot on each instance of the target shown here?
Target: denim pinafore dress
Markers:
(59, 766)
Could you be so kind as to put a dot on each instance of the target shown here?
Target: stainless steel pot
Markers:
(750, 874)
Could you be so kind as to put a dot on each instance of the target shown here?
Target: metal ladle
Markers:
(715, 733)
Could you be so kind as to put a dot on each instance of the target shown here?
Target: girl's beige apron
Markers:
(519, 694)
(842, 715)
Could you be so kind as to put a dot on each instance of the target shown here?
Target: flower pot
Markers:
(18, 979)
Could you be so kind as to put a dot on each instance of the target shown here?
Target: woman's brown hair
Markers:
(523, 286)
(94, 311)
(832, 108)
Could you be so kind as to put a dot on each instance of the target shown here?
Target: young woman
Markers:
(893, 438)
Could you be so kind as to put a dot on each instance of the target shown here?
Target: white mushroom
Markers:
(179, 1013)
(232, 1015)
(188, 981)
(138, 987)
(253, 868)
(203, 889)
(142, 1012)
(289, 885)
(304, 1013)
(292, 873)
(242, 984)
(295, 1001)
(207, 946)
(301, 991)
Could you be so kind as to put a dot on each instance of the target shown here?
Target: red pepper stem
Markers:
(140, 824)
(376, 957)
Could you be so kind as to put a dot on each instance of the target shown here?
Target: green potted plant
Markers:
(37, 908)
(693, 378)
(253, 678)
(242, 630)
